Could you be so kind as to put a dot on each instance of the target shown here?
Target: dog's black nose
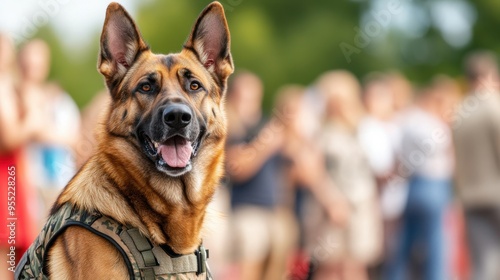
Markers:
(177, 116)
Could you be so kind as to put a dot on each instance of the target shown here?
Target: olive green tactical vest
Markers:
(143, 260)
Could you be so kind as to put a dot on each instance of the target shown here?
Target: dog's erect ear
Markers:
(121, 44)
(210, 40)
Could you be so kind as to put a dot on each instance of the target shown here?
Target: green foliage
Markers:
(286, 42)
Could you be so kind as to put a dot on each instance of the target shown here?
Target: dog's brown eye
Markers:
(194, 86)
(146, 87)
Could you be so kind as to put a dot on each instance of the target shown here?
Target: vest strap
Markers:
(20, 266)
(149, 273)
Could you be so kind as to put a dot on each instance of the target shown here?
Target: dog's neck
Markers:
(167, 210)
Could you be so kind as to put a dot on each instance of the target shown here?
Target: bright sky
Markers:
(76, 21)
(453, 18)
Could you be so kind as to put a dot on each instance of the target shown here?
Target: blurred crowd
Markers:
(39, 129)
(370, 179)
(343, 179)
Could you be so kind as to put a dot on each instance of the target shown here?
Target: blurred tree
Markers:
(487, 21)
(295, 41)
(282, 44)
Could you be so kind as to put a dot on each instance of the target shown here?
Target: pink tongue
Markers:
(176, 152)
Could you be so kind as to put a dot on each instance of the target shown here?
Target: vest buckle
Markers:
(201, 257)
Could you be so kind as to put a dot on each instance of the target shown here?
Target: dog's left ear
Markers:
(210, 41)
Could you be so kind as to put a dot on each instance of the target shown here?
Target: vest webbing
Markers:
(143, 260)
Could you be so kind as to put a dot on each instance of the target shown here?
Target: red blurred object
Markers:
(459, 251)
(299, 265)
(25, 199)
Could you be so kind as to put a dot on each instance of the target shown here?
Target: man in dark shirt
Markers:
(262, 232)
(261, 188)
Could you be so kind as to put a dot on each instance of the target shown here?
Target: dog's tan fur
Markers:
(118, 181)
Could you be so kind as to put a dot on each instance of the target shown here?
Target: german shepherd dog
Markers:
(160, 151)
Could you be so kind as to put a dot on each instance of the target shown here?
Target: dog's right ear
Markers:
(121, 44)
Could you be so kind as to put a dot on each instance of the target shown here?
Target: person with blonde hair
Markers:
(357, 242)
(18, 125)
(50, 152)
(60, 115)
(401, 89)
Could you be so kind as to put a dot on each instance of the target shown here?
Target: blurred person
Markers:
(380, 138)
(218, 234)
(353, 246)
(378, 133)
(298, 127)
(427, 161)
(263, 230)
(402, 91)
(14, 114)
(306, 180)
(50, 155)
(17, 127)
(477, 146)
(457, 250)
(393, 197)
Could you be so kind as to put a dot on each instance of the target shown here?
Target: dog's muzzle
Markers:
(173, 138)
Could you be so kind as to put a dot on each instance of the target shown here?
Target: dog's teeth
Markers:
(195, 149)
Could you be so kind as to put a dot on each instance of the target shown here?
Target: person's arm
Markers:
(495, 117)
(63, 128)
(244, 160)
(334, 202)
(14, 129)
(309, 170)
(9, 120)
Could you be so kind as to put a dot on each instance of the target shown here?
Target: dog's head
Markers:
(169, 107)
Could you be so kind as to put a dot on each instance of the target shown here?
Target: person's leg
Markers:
(437, 202)
(251, 230)
(408, 234)
(496, 242)
(397, 266)
(328, 271)
(284, 235)
(354, 270)
(484, 245)
(475, 231)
